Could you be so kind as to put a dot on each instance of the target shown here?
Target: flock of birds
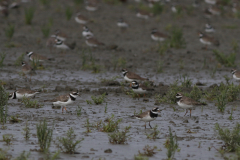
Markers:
(58, 40)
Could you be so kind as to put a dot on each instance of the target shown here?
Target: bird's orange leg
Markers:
(190, 112)
(186, 112)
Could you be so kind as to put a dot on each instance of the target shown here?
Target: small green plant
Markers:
(122, 62)
(159, 66)
(231, 116)
(132, 94)
(155, 134)
(119, 137)
(3, 105)
(157, 8)
(44, 135)
(163, 47)
(231, 138)
(23, 156)
(30, 103)
(99, 100)
(176, 40)
(105, 109)
(88, 125)
(45, 2)
(29, 14)
(45, 30)
(222, 101)
(235, 46)
(68, 13)
(14, 119)
(68, 144)
(2, 57)
(148, 151)
(195, 94)
(26, 131)
(228, 60)
(7, 138)
(51, 156)
(139, 157)
(79, 111)
(171, 144)
(111, 124)
(186, 82)
(77, 2)
(89, 101)
(35, 63)
(19, 60)
(4, 154)
(9, 31)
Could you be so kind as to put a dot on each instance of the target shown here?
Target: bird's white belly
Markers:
(184, 106)
(80, 21)
(90, 44)
(127, 79)
(85, 34)
(157, 38)
(20, 96)
(210, 1)
(147, 119)
(142, 16)
(139, 91)
(123, 25)
(62, 46)
(205, 42)
(234, 76)
(209, 30)
(91, 8)
(59, 103)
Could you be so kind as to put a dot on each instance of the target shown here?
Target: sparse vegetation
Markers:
(119, 137)
(44, 135)
(51, 156)
(222, 101)
(23, 156)
(19, 60)
(7, 138)
(111, 124)
(92, 65)
(186, 82)
(228, 60)
(148, 151)
(155, 134)
(4, 154)
(163, 47)
(159, 66)
(26, 131)
(98, 100)
(46, 30)
(77, 2)
(176, 40)
(105, 108)
(3, 105)
(68, 13)
(68, 144)
(14, 119)
(231, 138)
(9, 31)
(2, 57)
(171, 144)
(88, 125)
(28, 103)
(45, 2)
(29, 14)
(79, 111)
(157, 8)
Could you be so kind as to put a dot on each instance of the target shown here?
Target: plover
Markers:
(86, 32)
(27, 69)
(93, 42)
(130, 76)
(19, 94)
(36, 57)
(61, 44)
(148, 116)
(236, 74)
(65, 100)
(158, 36)
(140, 88)
(122, 24)
(143, 14)
(213, 2)
(204, 39)
(187, 103)
(81, 19)
(209, 28)
(61, 35)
